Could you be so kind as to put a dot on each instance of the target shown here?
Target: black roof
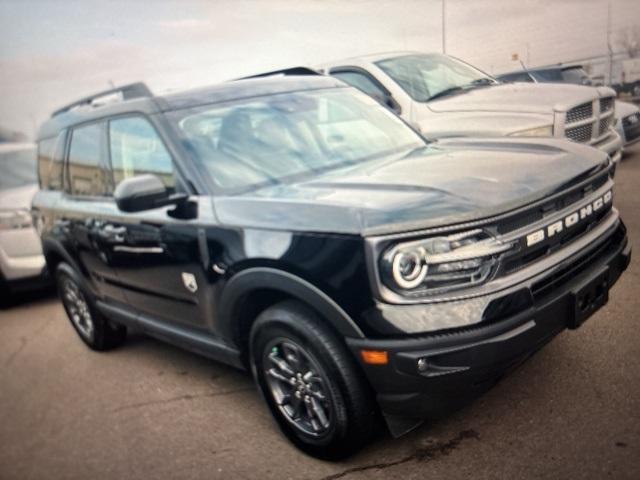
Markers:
(144, 102)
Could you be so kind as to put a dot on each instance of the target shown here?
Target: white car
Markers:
(628, 122)
(444, 97)
(22, 265)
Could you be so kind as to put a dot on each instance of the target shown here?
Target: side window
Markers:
(86, 173)
(136, 149)
(50, 162)
(362, 82)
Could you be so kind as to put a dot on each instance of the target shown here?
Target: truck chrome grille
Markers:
(581, 112)
(606, 104)
(604, 125)
(591, 120)
(580, 134)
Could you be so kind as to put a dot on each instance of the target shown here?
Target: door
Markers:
(82, 209)
(154, 255)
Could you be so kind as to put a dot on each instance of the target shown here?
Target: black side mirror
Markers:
(144, 192)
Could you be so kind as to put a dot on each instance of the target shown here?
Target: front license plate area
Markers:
(589, 297)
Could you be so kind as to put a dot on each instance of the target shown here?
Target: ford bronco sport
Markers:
(294, 227)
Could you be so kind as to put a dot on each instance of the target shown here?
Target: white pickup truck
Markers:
(444, 97)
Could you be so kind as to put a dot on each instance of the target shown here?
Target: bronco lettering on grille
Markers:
(569, 221)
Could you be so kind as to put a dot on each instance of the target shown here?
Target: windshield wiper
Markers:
(445, 92)
(478, 82)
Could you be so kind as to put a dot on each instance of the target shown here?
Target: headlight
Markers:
(14, 219)
(545, 131)
(441, 264)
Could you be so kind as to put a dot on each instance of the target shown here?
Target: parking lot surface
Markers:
(149, 410)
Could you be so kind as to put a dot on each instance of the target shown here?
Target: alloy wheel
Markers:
(299, 386)
(77, 308)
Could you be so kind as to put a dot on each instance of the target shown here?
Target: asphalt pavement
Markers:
(149, 410)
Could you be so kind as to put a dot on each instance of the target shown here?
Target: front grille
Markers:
(604, 125)
(631, 128)
(580, 134)
(606, 104)
(536, 214)
(631, 120)
(547, 285)
(581, 112)
(524, 259)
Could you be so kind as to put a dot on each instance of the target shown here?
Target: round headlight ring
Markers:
(408, 269)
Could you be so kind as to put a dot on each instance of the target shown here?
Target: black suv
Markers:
(292, 226)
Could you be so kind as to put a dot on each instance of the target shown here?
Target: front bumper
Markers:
(459, 364)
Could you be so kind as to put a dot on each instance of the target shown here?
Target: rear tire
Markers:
(93, 328)
(311, 383)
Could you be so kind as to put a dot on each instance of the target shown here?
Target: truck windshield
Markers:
(424, 77)
(292, 136)
(18, 166)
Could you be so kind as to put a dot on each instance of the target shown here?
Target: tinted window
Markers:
(86, 173)
(137, 149)
(18, 166)
(361, 81)
(50, 154)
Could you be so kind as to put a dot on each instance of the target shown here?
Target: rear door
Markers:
(82, 210)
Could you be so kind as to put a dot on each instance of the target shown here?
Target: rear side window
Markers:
(86, 173)
(136, 149)
(50, 156)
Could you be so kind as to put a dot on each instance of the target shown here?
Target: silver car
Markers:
(444, 97)
(22, 264)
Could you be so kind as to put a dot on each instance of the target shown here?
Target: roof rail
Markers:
(133, 90)
(286, 71)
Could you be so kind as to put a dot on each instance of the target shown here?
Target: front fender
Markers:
(252, 279)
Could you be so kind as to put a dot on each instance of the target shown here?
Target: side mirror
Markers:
(144, 192)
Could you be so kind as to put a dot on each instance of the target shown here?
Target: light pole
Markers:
(444, 30)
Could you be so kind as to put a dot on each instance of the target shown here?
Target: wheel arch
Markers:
(267, 286)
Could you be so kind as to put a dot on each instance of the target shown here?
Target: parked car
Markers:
(22, 264)
(294, 227)
(442, 97)
(627, 116)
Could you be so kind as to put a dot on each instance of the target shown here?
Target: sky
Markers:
(55, 51)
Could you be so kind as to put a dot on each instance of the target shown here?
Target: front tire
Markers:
(310, 382)
(96, 331)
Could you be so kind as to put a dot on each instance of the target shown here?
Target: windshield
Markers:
(292, 136)
(18, 167)
(426, 76)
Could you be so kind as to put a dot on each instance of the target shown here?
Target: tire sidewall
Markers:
(282, 323)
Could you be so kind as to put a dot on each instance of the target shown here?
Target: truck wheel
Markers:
(91, 326)
(310, 382)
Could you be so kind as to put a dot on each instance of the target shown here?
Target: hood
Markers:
(518, 98)
(445, 183)
(624, 109)
(17, 198)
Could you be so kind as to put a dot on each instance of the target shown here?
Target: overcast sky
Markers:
(52, 52)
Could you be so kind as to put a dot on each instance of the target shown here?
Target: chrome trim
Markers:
(125, 249)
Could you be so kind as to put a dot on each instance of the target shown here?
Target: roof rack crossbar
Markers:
(133, 90)
(286, 71)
